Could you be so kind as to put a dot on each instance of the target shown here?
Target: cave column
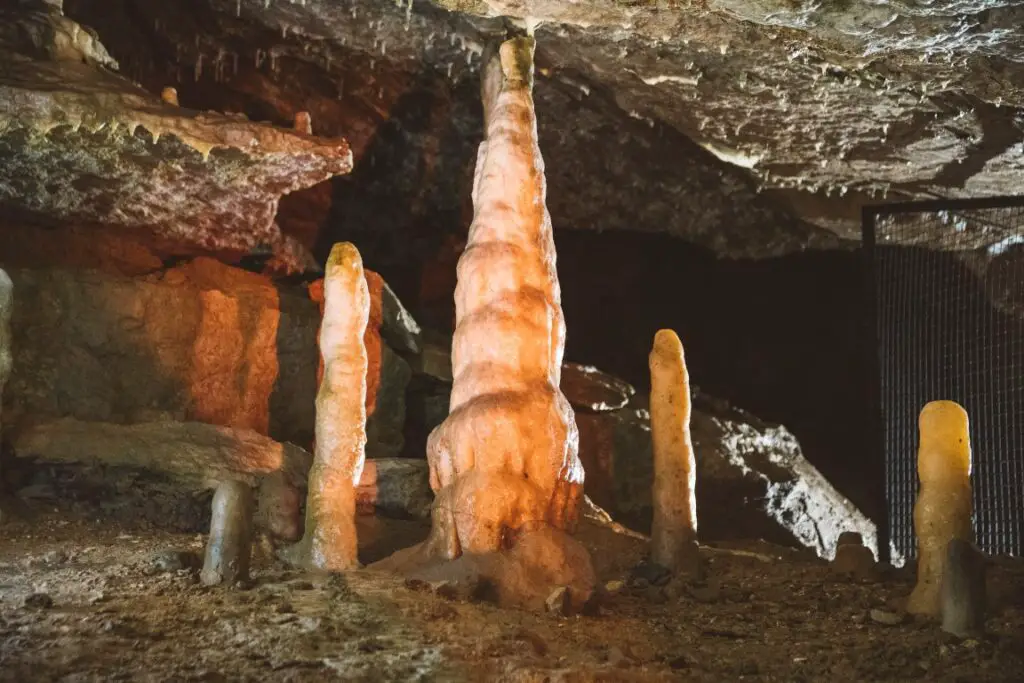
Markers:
(506, 457)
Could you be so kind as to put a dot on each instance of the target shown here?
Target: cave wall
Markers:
(783, 338)
(200, 341)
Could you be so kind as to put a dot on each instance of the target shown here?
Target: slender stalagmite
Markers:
(943, 508)
(674, 531)
(329, 542)
(505, 460)
(229, 549)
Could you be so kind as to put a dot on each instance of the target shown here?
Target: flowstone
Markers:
(329, 543)
(504, 463)
(943, 508)
(674, 529)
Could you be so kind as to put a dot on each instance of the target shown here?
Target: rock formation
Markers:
(943, 509)
(191, 455)
(504, 463)
(229, 548)
(329, 542)
(674, 529)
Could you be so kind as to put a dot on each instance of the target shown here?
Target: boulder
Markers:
(589, 389)
(397, 487)
(752, 478)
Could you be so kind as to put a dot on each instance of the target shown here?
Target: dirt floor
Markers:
(85, 597)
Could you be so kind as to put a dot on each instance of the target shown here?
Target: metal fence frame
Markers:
(873, 385)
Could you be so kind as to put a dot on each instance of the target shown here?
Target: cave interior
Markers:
(267, 416)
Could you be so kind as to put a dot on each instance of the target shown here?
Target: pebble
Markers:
(888, 618)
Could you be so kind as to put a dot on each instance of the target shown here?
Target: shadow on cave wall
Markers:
(782, 338)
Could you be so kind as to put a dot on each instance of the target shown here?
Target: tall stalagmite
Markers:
(674, 530)
(943, 509)
(330, 537)
(505, 460)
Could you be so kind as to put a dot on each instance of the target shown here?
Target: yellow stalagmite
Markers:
(943, 508)
(329, 542)
(674, 531)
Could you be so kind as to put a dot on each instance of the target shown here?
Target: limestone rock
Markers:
(215, 343)
(396, 486)
(81, 143)
(195, 456)
(229, 547)
(589, 389)
(752, 479)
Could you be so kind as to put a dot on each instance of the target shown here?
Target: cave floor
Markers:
(783, 616)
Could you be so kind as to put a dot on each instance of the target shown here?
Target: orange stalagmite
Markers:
(504, 463)
(329, 542)
(943, 509)
(674, 531)
(506, 457)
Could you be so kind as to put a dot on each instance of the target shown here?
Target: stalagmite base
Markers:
(504, 463)
(674, 530)
(329, 543)
(943, 508)
(229, 549)
(963, 590)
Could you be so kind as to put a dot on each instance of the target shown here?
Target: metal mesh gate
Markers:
(947, 284)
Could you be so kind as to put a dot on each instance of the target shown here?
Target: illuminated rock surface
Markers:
(329, 542)
(943, 509)
(503, 463)
(84, 145)
(674, 528)
(681, 111)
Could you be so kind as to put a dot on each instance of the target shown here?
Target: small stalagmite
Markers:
(304, 122)
(169, 95)
(674, 530)
(6, 310)
(229, 549)
(943, 508)
(329, 543)
(963, 590)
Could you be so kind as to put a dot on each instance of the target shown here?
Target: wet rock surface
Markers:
(777, 620)
(692, 108)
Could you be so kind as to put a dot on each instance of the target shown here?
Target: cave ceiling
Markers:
(752, 127)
